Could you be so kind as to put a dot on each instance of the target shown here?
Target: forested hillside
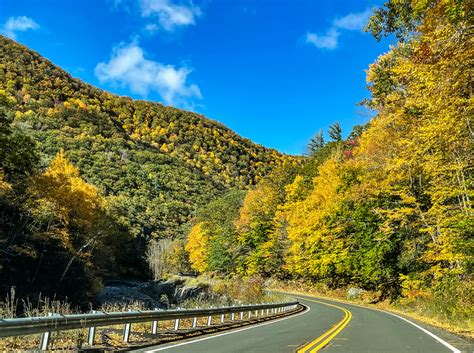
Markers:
(389, 209)
(88, 178)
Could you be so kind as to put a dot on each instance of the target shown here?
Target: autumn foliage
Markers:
(390, 208)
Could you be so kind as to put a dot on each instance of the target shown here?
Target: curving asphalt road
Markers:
(326, 326)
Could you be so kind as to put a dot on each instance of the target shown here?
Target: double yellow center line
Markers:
(327, 336)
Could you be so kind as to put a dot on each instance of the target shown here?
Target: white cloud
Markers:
(18, 24)
(170, 15)
(151, 27)
(129, 67)
(351, 22)
(328, 40)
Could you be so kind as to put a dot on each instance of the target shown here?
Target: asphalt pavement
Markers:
(327, 326)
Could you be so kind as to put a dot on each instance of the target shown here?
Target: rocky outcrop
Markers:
(126, 292)
(161, 294)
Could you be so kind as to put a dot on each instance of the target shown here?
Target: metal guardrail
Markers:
(56, 322)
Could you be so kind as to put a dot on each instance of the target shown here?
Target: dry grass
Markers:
(65, 340)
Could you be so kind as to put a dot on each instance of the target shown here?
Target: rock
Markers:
(162, 294)
(354, 293)
(157, 289)
(183, 293)
(126, 293)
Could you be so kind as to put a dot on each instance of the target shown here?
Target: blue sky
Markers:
(275, 71)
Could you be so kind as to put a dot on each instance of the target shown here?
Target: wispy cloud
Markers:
(170, 14)
(18, 24)
(327, 40)
(330, 39)
(129, 67)
(353, 21)
(151, 27)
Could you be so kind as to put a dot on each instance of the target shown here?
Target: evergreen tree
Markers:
(335, 132)
(316, 143)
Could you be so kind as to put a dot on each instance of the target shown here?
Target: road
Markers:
(325, 326)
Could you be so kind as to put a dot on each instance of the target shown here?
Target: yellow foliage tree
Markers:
(197, 247)
(62, 184)
(73, 209)
(62, 194)
(307, 226)
(419, 148)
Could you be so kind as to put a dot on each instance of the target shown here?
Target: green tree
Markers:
(316, 143)
(335, 132)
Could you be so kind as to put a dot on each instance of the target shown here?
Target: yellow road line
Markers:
(334, 334)
(324, 335)
(327, 336)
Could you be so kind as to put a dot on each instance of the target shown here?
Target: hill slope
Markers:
(131, 171)
(159, 161)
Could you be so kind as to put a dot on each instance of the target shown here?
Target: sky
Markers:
(274, 71)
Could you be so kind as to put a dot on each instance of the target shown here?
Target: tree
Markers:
(356, 132)
(335, 132)
(197, 248)
(418, 150)
(403, 17)
(156, 257)
(316, 143)
(73, 208)
(18, 155)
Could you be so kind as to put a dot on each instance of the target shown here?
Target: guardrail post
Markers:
(195, 319)
(241, 315)
(45, 338)
(267, 311)
(154, 325)
(91, 333)
(209, 320)
(250, 314)
(126, 331)
(222, 318)
(176, 324)
(232, 316)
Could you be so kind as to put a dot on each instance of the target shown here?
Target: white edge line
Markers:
(228, 333)
(452, 348)
(440, 340)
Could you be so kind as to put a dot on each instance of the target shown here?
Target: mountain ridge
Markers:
(155, 164)
(153, 121)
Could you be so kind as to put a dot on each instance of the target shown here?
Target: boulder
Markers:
(157, 289)
(354, 293)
